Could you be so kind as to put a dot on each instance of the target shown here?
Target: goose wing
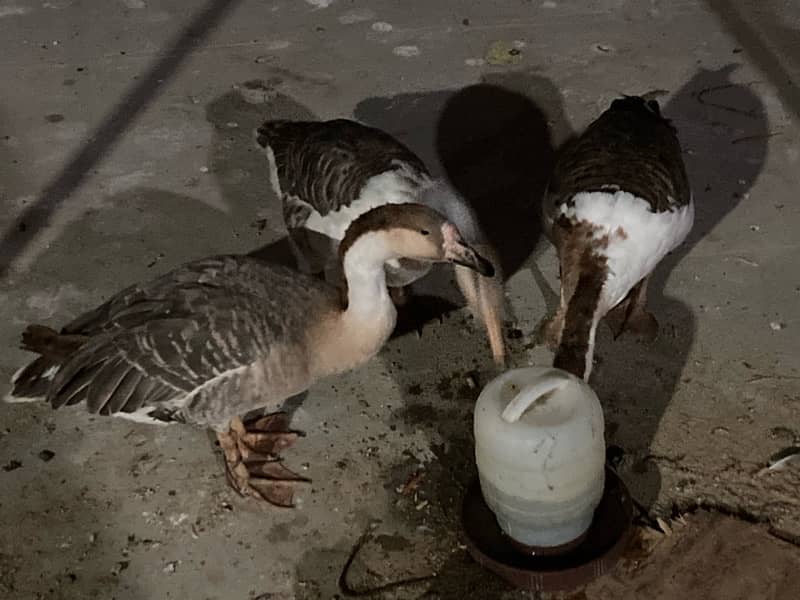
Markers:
(324, 165)
(630, 147)
(152, 348)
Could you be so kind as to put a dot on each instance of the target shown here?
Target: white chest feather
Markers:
(637, 237)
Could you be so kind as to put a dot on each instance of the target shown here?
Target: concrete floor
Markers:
(126, 148)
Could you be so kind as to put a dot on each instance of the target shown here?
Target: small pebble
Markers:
(776, 326)
(204, 169)
(231, 124)
(12, 465)
(755, 228)
(382, 26)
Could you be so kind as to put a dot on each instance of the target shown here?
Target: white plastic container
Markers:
(540, 452)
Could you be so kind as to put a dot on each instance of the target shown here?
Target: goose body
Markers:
(328, 173)
(220, 337)
(618, 202)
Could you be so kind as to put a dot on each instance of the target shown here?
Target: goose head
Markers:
(412, 231)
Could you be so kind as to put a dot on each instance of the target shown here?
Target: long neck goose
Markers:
(220, 337)
(328, 173)
(618, 201)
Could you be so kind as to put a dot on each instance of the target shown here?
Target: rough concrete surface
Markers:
(126, 148)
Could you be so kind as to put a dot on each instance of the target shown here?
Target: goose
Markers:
(618, 201)
(220, 337)
(327, 173)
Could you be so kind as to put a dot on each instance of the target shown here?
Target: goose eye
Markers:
(424, 232)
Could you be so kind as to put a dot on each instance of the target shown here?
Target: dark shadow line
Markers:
(764, 58)
(101, 141)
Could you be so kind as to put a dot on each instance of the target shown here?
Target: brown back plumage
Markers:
(630, 147)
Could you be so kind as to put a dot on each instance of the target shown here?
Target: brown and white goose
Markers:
(327, 173)
(220, 337)
(618, 201)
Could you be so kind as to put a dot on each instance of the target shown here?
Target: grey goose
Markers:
(220, 337)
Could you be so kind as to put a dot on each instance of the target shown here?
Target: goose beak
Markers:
(463, 254)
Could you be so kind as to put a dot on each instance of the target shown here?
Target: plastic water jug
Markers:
(540, 453)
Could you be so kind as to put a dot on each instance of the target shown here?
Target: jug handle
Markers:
(553, 380)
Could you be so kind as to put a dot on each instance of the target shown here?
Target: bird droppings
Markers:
(119, 567)
(406, 51)
(13, 11)
(357, 16)
(46, 455)
(176, 520)
(746, 261)
(277, 44)
(503, 52)
(382, 27)
(474, 62)
(415, 389)
(320, 3)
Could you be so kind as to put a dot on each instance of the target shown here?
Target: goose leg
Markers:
(252, 463)
(631, 314)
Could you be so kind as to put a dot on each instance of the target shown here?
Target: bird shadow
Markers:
(494, 141)
(723, 130)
